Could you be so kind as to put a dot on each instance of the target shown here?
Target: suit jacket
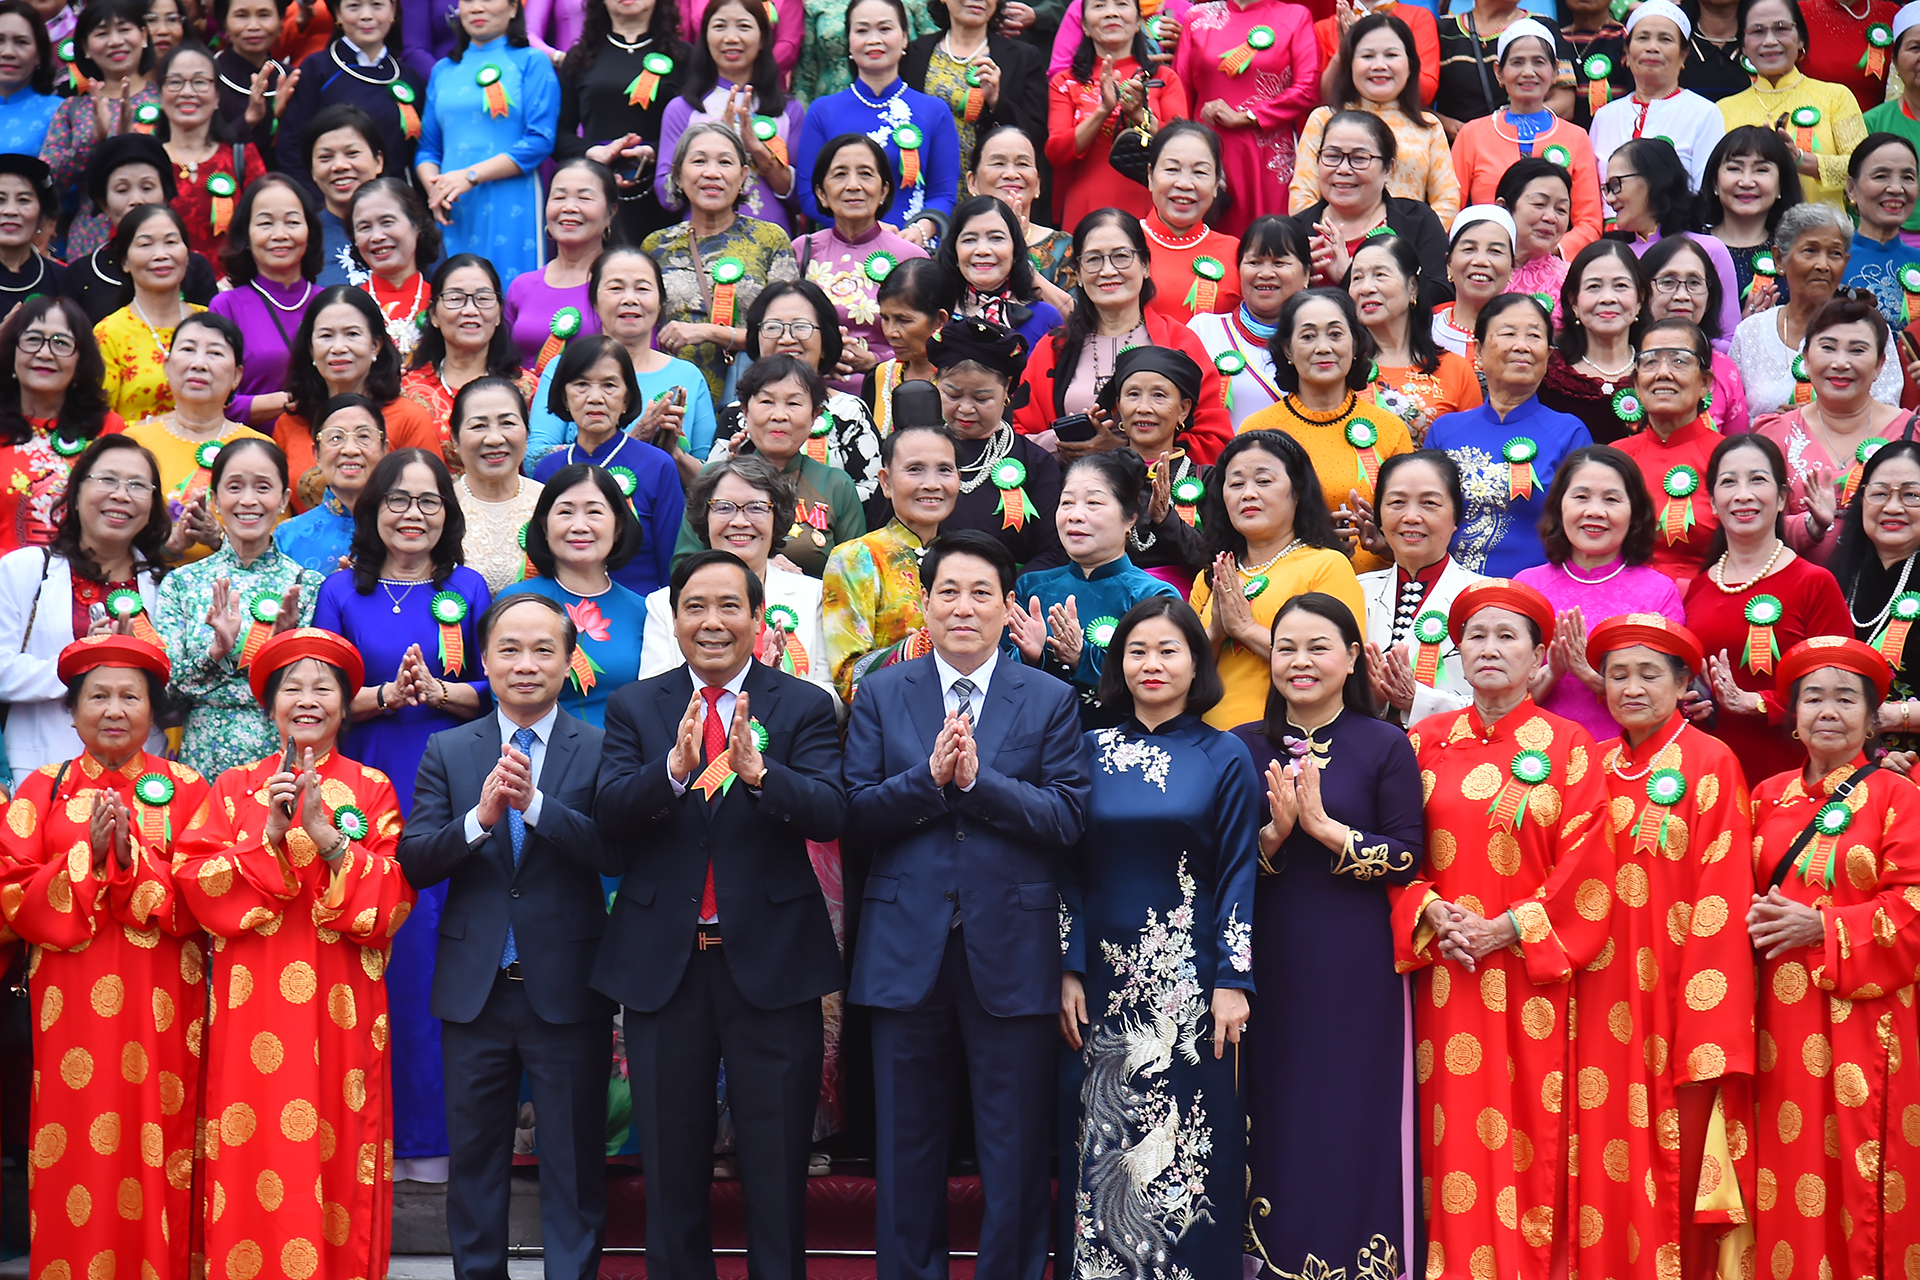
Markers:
(553, 898)
(1450, 691)
(779, 942)
(996, 850)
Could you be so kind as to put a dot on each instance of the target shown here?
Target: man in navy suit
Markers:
(502, 811)
(715, 776)
(967, 776)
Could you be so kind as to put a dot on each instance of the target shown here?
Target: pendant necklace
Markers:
(1618, 569)
(1608, 377)
(410, 584)
(1613, 761)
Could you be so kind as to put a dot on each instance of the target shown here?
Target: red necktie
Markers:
(715, 732)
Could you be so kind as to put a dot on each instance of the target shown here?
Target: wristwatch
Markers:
(473, 177)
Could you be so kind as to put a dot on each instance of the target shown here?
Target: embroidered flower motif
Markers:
(1066, 925)
(1237, 937)
(1119, 753)
(589, 621)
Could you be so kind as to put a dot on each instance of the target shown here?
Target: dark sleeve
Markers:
(669, 512)
(1043, 488)
(568, 143)
(807, 789)
(1053, 811)
(913, 67)
(1175, 542)
(1391, 850)
(1023, 93)
(289, 143)
(434, 841)
(201, 283)
(633, 792)
(1422, 226)
(416, 37)
(880, 807)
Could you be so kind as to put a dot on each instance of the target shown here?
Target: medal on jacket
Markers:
(263, 611)
(1008, 475)
(727, 274)
(908, 138)
(645, 87)
(1229, 364)
(1240, 57)
(1599, 88)
(1909, 278)
(718, 776)
(1627, 406)
(1430, 630)
(1187, 493)
(1520, 453)
(628, 482)
(1529, 769)
(878, 266)
(488, 78)
(1560, 156)
(1677, 518)
(1804, 119)
(976, 96)
(1363, 436)
(350, 820)
(405, 98)
(1207, 275)
(817, 437)
(449, 609)
(1828, 826)
(152, 793)
(1763, 648)
(566, 323)
(1802, 384)
(1763, 269)
(1665, 789)
(126, 604)
(1892, 640)
(782, 618)
(145, 117)
(1861, 452)
(767, 130)
(221, 188)
(1874, 60)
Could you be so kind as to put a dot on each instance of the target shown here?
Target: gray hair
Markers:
(705, 127)
(1809, 215)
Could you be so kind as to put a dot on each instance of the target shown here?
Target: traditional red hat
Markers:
(1655, 631)
(1843, 652)
(1500, 593)
(289, 647)
(110, 650)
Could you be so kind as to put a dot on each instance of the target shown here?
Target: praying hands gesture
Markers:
(956, 758)
(195, 527)
(1392, 676)
(743, 749)
(508, 786)
(1232, 617)
(110, 831)
(1567, 655)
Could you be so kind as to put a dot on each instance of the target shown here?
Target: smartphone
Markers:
(678, 397)
(96, 614)
(288, 764)
(1075, 428)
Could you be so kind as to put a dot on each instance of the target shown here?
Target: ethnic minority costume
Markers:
(118, 1001)
(1506, 465)
(870, 605)
(1495, 1142)
(1157, 915)
(1237, 342)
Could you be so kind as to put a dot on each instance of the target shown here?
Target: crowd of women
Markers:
(1511, 412)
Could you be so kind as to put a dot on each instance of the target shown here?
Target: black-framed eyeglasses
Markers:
(1358, 161)
(33, 341)
(1613, 186)
(399, 500)
(457, 299)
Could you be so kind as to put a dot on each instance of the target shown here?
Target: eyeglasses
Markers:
(1612, 186)
(1908, 495)
(1678, 359)
(34, 340)
(399, 500)
(457, 300)
(1119, 260)
(1680, 284)
(799, 330)
(174, 84)
(167, 20)
(1779, 31)
(757, 509)
(1358, 161)
(135, 489)
(365, 437)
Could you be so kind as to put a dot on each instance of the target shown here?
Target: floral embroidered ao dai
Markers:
(1494, 1137)
(1156, 914)
(118, 1003)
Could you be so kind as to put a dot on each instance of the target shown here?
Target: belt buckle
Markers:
(512, 972)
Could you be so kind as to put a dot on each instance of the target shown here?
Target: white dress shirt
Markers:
(728, 701)
(982, 676)
(542, 732)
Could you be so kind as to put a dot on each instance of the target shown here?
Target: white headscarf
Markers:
(1662, 9)
(1525, 27)
(1484, 213)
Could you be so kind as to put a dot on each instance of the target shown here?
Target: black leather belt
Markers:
(512, 972)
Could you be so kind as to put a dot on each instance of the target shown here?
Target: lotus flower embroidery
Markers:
(589, 621)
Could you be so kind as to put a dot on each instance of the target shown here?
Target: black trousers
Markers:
(1011, 1067)
(568, 1065)
(773, 1087)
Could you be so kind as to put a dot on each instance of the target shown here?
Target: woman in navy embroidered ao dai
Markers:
(1156, 929)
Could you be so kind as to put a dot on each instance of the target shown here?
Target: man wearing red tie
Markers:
(713, 778)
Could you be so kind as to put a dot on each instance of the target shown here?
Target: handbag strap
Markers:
(33, 611)
(1906, 432)
(1480, 64)
(700, 271)
(1840, 792)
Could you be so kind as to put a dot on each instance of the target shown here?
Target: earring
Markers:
(1795, 735)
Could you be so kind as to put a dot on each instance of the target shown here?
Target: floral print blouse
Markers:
(764, 249)
(225, 726)
(135, 354)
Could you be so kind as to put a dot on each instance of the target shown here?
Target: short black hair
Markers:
(1670, 196)
(238, 254)
(427, 240)
(156, 692)
(966, 542)
(828, 320)
(626, 528)
(1312, 522)
(1356, 695)
(1440, 460)
(823, 163)
(279, 675)
(1666, 251)
(138, 217)
(340, 404)
(753, 470)
(484, 629)
(768, 370)
(1207, 689)
(1364, 348)
(370, 552)
(341, 115)
(582, 354)
(228, 452)
(43, 63)
(684, 571)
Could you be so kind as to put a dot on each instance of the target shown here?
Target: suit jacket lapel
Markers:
(926, 701)
(997, 713)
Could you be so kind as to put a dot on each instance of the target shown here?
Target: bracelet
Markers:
(380, 696)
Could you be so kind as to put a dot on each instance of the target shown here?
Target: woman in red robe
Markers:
(1676, 1054)
(1512, 898)
(290, 866)
(85, 876)
(1836, 923)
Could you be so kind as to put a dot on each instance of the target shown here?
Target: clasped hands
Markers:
(1465, 937)
(110, 831)
(299, 793)
(743, 750)
(508, 786)
(414, 684)
(956, 756)
(1293, 800)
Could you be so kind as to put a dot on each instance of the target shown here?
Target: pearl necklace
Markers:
(1175, 241)
(1719, 571)
(946, 47)
(1256, 569)
(999, 445)
(1613, 765)
(298, 306)
(898, 88)
(1618, 569)
(1899, 589)
(1609, 377)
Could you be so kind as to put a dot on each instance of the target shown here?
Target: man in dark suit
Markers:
(502, 811)
(967, 776)
(714, 777)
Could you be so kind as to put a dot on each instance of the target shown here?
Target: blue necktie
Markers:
(517, 830)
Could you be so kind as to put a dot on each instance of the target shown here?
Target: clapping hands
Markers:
(508, 786)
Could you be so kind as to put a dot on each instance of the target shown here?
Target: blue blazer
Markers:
(997, 850)
(553, 898)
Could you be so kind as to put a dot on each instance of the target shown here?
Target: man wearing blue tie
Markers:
(502, 811)
(967, 776)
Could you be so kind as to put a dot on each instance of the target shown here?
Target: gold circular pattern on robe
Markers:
(1910, 1125)
(298, 983)
(216, 877)
(1830, 1137)
(378, 1033)
(1458, 1192)
(236, 1124)
(1613, 1158)
(354, 1089)
(267, 1053)
(1482, 1265)
(1506, 1207)
(1593, 1088)
(79, 1205)
(1492, 1128)
(1654, 1051)
(299, 1259)
(1436, 1256)
(173, 1094)
(109, 996)
(1863, 869)
(1551, 1088)
(1576, 765)
(1707, 1062)
(1790, 982)
(1522, 1152)
(1427, 781)
(1866, 1159)
(373, 963)
(1706, 790)
(1536, 1226)
(1441, 849)
(162, 1010)
(1493, 989)
(1463, 1054)
(1630, 883)
(49, 1144)
(1503, 852)
(1766, 1054)
(192, 964)
(80, 806)
(1647, 968)
(243, 1261)
(1537, 1017)
(1717, 848)
(131, 1201)
(1622, 809)
(1706, 989)
(335, 1224)
(1810, 1195)
(1620, 1021)
(1896, 1202)
(366, 1164)
(20, 818)
(1535, 735)
(1789, 1122)
(1679, 922)
(133, 1062)
(299, 1120)
(1592, 900)
(1709, 916)
(153, 1147)
(398, 916)
(1543, 804)
(1666, 1129)
(1817, 1055)
(1439, 1125)
(51, 1003)
(219, 1201)
(1782, 1261)
(340, 1006)
(269, 1190)
(1677, 840)
(1441, 986)
(60, 894)
(1850, 1085)
(104, 1132)
(76, 1068)
(1481, 782)
(1423, 1064)
(328, 1144)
